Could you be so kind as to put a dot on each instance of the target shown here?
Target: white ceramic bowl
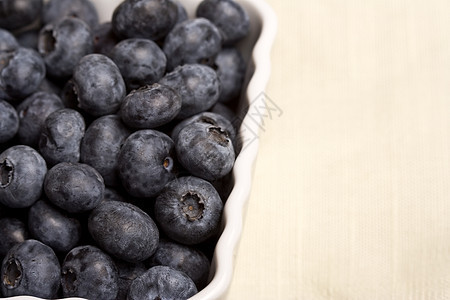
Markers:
(256, 51)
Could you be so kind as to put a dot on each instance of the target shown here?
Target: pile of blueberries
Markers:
(117, 142)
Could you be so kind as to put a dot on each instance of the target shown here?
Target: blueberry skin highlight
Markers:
(146, 162)
(54, 10)
(63, 44)
(205, 150)
(8, 41)
(30, 268)
(98, 85)
(74, 187)
(15, 14)
(150, 106)
(33, 112)
(230, 68)
(198, 86)
(189, 210)
(13, 231)
(150, 19)
(61, 136)
(161, 282)
(124, 231)
(183, 258)
(191, 42)
(88, 272)
(53, 227)
(22, 173)
(9, 121)
(101, 144)
(140, 61)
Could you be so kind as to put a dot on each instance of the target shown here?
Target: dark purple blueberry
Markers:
(104, 38)
(74, 187)
(16, 14)
(229, 16)
(9, 121)
(191, 42)
(188, 210)
(198, 86)
(62, 44)
(22, 173)
(124, 231)
(30, 268)
(183, 258)
(33, 112)
(150, 19)
(230, 68)
(101, 145)
(164, 283)
(205, 150)
(12, 231)
(21, 73)
(146, 162)
(54, 10)
(61, 136)
(7, 41)
(150, 106)
(141, 61)
(89, 273)
(53, 227)
(98, 85)
(127, 273)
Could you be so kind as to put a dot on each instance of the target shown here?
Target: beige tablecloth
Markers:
(351, 197)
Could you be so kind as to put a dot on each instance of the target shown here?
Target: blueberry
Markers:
(182, 13)
(101, 144)
(205, 150)
(192, 41)
(127, 273)
(146, 162)
(74, 187)
(112, 195)
(150, 106)
(63, 44)
(13, 231)
(104, 38)
(189, 210)
(61, 136)
(30, 268)
(229, 16)
(22, 173)
(33, 112)
(164, 283)
(230, 68)
(150, 19)
(198, 86)
(89, 273)
(21, 73)
(223, 110)
(28, 38)
(183, 258)
(54, 10)
(140, 61)
(9, 121)
(53, 227)
(98, 85)
(7, 41)
(16, 14)
(124, 231)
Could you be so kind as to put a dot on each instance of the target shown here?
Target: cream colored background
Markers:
(351, 197)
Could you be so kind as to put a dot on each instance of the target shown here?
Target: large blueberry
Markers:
(63, 44)
(30, 268)
(22, 173)
(189, 210)
(54, 10)
(146, 162)
(150, 106)
(9, 121)
(101, 145)
(151, 19)
(198, 86)
(74, 187)
(33, 112)
(164, 283)
(89, 273)
(205, 150)
(124, 231)
(13, 231)
(61, 136)
(53, 226)
(192, 41)
(16, 14)
(230, 68)
(7, 41)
